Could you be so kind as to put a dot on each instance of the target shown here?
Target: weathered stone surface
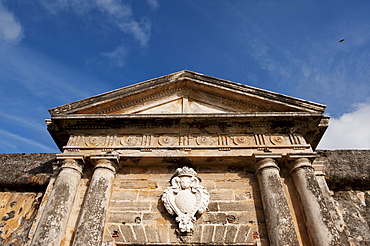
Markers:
(91, 224)
(26, 171)
(279, 220)
(50, 229)
(354, 206)
(320, 224)
(346, 168)
(17, 211)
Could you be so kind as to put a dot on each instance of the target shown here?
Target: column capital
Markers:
(76, 163)
(301, 162)
(106, 161)
(265, 163)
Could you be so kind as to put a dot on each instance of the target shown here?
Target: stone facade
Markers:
(249, 156)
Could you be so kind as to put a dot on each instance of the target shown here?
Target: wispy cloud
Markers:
(116, 13)
(120, 14)
(14, 138)
(23, 121)
(111, 15)
(326, 71)
(117, 56)
(350, 131)
(42, 77)
(10, 28)
(153, 3)
(33, 83)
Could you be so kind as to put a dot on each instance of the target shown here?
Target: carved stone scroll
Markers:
(185, 197)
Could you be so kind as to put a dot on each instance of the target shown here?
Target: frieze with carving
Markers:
(185, 197)
(189, 141)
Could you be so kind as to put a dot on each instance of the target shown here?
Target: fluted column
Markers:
(320, 226)
(53, 221)
(279, 222)
(91, 224)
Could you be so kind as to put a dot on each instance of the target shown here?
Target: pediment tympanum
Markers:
(187, 92)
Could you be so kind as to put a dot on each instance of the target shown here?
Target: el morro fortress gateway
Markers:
(186, 159)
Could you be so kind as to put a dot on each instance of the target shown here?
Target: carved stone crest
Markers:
(185, 197)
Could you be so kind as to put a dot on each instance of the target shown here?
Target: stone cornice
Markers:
(184, 77)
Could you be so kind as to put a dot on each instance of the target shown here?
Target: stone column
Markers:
(53, 221)
(320, 226)
(91, 224)
(279, 222)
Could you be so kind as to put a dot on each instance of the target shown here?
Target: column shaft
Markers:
(279, 221)
(91, 225)
(53, 221)
(319, 224)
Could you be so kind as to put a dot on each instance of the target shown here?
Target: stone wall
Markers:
(235, 209)
(26, 171)
(137, 214)
(348, 177)
(23, 179)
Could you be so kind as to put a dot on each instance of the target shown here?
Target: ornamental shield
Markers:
(185, 197)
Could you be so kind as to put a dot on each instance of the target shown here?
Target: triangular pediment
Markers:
(181, 105)
(187, 92)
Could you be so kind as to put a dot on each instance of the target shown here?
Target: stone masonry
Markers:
(137, 163)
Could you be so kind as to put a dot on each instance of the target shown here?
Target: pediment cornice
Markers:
(186, 83)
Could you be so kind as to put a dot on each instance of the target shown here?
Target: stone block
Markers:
(213, 207)
(151, 233)
(235, 175)
(255, 233)
(129, 206)
(236, 206)
(174, 238)
(244, 217)
(221, 195)
(197, 234)
(150, 195)
(212, 218)
(219, 234)
(244, 195)
(139, 233)
(157, 206)
(209, 184)
(207, 234)
(125, 195)
(232, 184)
(122, 217)
(211, 176)
(127, 233)
(115, 233)
(230, 233)
(163, 233)
(154, 217)
(242, 235)
(135, 184)
(163, 183)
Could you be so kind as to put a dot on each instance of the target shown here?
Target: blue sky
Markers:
(53, 52)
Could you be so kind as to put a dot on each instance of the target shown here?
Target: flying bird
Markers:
(341, 41)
